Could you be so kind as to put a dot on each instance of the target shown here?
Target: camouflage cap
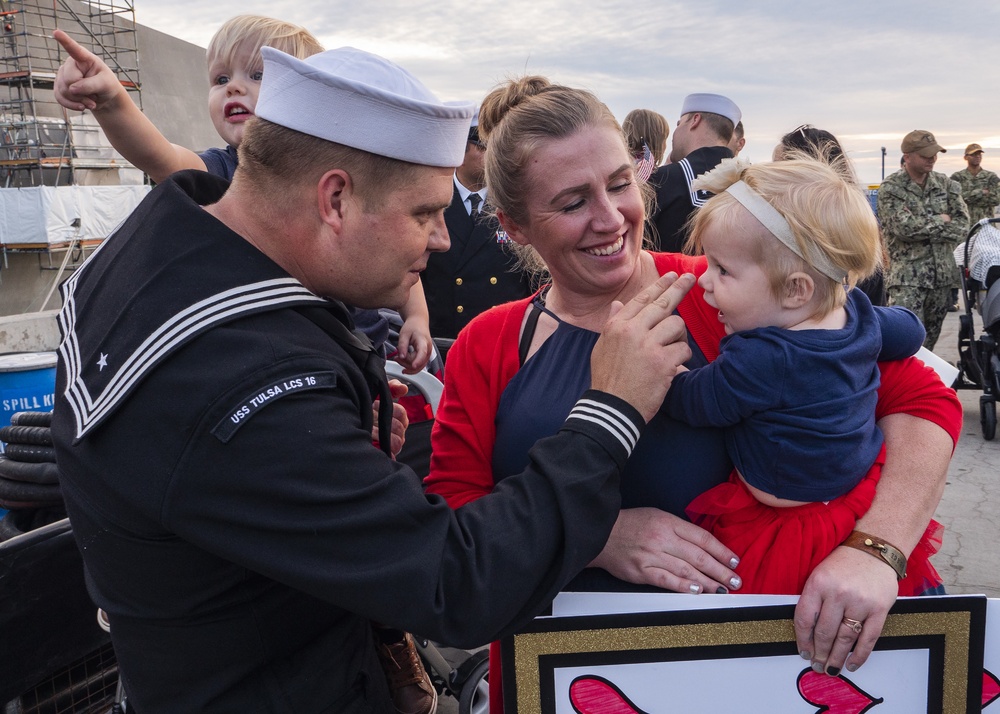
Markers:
(973, 149)
(922, 142)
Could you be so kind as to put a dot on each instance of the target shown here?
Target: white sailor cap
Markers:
(363, 101)
(713, 103)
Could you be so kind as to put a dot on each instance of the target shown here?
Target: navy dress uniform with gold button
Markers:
(476, 273)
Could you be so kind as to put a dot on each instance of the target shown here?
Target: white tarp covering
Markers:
(44, 215)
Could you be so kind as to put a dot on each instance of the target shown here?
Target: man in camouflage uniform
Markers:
(923, 217)
(980, 188)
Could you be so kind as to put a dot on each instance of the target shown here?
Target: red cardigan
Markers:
(484, 358)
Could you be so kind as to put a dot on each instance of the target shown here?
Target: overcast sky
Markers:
(867, 71)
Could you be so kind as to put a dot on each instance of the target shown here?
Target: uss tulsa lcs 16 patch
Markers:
(250, 404)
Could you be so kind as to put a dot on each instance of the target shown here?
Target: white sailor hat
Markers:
(713, 103)
(363, 101)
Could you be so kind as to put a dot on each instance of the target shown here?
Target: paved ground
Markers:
(969, 560)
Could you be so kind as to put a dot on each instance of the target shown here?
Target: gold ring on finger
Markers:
(855, 625)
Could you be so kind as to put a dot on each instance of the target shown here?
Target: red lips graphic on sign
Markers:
(835, 695)
(991, 688)
(590, 694)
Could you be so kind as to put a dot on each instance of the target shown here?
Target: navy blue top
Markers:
(672, 463)
(223, 162)
(799, 405)
(220, 162)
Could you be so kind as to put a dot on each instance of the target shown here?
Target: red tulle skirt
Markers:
(779, 547)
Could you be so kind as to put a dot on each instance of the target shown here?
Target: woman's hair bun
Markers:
(505, 97)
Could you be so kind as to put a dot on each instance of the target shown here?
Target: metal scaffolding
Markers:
(40, 144)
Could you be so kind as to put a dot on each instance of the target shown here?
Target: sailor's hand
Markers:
(400, 419)
(642, 344)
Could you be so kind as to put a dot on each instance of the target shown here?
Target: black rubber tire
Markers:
(988, 417)
(474, 698)
(31, 453)
(37, 435)
(45, 472)
(20, 494)
(31, 419)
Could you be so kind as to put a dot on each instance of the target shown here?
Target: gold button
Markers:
(459, 309)
(493, 281)
(458, 281)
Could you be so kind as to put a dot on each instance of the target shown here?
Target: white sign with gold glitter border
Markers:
(653, 654)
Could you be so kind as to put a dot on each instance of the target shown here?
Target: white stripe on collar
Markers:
(89, 410)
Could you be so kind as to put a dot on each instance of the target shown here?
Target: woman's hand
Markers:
(852, 584)
(651, 547)
(848, 584)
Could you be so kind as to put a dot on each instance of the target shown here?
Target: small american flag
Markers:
(644, 164)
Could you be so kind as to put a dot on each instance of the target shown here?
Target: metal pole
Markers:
(883, 163)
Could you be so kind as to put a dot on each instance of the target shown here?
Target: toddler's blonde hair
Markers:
(255, 31)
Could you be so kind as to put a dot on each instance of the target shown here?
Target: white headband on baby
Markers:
(775, 223)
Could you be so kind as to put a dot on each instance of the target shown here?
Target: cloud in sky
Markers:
(867, 71)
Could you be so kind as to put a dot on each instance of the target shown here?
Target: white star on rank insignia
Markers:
(102, 362)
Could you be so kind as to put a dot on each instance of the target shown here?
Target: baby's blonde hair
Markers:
(255, 31)
(823, 210)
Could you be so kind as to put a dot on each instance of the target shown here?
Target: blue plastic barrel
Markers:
(27, 383)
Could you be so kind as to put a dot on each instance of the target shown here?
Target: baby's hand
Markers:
(83, 81)
(415, 346)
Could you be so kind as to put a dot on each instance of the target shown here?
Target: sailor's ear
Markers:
(334, 191)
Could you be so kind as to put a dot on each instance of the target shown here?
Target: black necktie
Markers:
(474, 200)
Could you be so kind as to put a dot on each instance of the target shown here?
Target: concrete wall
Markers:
(175, 89)
(26, 279)
(36, 332)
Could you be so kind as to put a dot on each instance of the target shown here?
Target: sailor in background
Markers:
(700, 142)
(478, 271)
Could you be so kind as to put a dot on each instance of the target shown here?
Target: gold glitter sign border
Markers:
(951, 628)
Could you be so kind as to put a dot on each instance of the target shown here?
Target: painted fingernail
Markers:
(694, 588)
(735, 582)
(817, 667)
(851, 667)
(806, 654)
(833, 671)
(720, 590)
(733, 562)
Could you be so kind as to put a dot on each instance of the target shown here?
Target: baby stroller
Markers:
(979, 358)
